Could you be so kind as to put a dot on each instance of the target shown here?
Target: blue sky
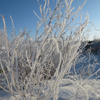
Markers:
(23, 16)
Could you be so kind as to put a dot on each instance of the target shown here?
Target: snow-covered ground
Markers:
(70, 91)
(66, 92)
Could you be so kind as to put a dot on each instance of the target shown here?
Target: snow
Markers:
(66, 91)
(5, 95)
(69, 89)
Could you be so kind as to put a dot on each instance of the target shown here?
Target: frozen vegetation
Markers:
(56, 65)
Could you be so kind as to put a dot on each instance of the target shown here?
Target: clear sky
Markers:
(23, 16)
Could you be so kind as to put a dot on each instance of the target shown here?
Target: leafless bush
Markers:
(32, 65)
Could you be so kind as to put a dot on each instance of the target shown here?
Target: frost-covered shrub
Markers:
(2, 40)
(35, 67)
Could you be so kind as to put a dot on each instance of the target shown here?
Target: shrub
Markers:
(32, 65)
